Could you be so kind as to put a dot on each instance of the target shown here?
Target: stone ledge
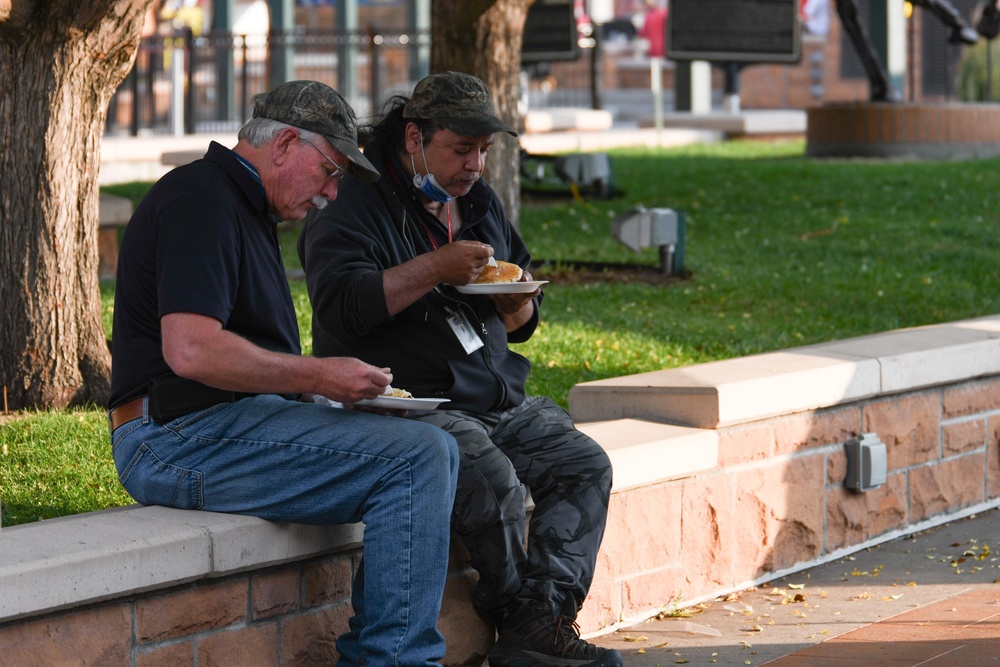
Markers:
(733, 391)
(567, 118)
(126, 159)
(566, 140)
(62, 563)
(645, 452)
(581, 141)
(740, 123)
(114, 211)
(150, 147)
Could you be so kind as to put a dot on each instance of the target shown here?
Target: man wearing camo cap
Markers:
(381, 264)
(210, 393)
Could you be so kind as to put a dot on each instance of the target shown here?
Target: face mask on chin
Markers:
(427, 185)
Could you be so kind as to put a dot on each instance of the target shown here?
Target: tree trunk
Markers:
(60, 63)
(483, 37)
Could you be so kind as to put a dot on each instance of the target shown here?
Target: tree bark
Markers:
(60, 63)
(484, 37)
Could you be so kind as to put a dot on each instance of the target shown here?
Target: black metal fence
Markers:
(186, 84)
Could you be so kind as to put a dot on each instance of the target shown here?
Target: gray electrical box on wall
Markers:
(866, 462)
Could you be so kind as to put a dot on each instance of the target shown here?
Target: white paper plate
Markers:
(500, 288)
(399, 403)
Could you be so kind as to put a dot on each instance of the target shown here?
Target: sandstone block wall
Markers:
(777, 499)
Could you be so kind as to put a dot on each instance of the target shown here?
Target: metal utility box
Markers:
(640, 228)
(585, 173)
(591, 170)
(866, 462)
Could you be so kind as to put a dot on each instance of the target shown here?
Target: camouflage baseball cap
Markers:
(314, 106)
(459, 101)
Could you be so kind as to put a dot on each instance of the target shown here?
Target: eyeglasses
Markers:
(337, 172)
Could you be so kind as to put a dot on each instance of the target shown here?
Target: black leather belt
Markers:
(126, 412)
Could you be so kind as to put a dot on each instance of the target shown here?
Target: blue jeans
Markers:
(305, 463)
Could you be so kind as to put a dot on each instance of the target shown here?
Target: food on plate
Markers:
(397, 393)
(504, 272)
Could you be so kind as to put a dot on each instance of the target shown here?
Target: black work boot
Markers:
(535, 637)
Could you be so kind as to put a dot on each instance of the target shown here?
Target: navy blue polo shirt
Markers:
(201, 241)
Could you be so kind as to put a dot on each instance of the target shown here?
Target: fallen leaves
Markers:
(874, 573)
(680, 612)
(787, 598)
(741, 608)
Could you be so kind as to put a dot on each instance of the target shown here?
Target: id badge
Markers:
(463, 330)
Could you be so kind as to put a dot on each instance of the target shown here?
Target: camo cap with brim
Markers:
(458, 101)
(315, 106)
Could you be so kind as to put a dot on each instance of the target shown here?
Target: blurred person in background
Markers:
(654, 28)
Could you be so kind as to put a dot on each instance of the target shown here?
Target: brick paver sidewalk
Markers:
(930, 598)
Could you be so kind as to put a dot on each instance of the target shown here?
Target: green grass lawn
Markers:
(782, 251)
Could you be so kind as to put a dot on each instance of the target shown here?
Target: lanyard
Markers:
(430, 234)
(427, 230)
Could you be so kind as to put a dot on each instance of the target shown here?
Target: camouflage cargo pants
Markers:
(569, 475)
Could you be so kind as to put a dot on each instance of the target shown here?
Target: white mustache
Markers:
(319, 201)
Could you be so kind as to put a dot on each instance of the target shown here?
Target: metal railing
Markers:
(187, 84)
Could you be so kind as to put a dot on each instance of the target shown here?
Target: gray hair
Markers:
(260, 131)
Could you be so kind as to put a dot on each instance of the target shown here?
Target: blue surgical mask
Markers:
(428, 185)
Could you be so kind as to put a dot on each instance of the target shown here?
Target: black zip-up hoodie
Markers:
(371, 227)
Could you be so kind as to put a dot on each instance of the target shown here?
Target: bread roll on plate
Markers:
(503, 272)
